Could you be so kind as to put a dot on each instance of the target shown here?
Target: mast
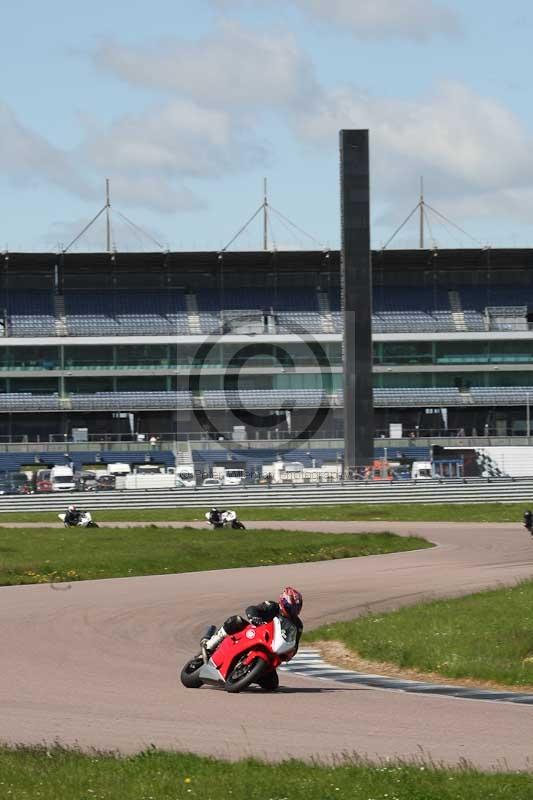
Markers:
(421, 207)
(265, 215)
(108, 221)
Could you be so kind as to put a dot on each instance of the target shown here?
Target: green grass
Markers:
(486, 636)
(46, 555)
(69, 775)
(409, 512)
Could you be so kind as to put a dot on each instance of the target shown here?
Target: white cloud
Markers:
(470, 149)
(147, 191)
(180, 138)
(28, 158)
(219, 88)
(382, 19)
(232, 66)
(209, 126)
(491, 204)
(418, 20)
(145, 157)
(150, 156)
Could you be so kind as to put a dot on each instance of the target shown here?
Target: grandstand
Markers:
(116, 343)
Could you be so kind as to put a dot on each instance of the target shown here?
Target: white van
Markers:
(185, 476)
(421, 471)
(118, 469)
(62, 479)
(234, 477)
(229, 476)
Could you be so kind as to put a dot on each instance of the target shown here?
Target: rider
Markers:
(288, 607)
(215, 516)
(73, 515)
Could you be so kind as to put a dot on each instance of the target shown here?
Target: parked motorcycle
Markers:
(85, 521)
(241, 659)
(225, 519)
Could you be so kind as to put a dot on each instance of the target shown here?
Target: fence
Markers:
(475, 490)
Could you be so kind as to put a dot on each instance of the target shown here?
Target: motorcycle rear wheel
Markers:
(189, 674)
(245, 675)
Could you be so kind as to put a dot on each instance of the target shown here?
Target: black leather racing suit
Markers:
(215, 517)
(73, 517)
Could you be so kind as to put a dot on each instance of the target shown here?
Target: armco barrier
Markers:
(474, 491)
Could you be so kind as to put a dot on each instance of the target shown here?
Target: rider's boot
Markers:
(213, 642)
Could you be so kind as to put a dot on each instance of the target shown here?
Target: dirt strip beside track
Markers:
(95, 664)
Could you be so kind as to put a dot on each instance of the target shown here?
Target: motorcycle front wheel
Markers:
(269, 682)
(243, 675)
(238, 525)
(189, 673)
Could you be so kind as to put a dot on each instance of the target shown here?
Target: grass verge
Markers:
(486, 636)
(60, 774)
(388, 512)
(52, 555)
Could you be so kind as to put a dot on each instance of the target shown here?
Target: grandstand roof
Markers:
(257, 259)
(128, 270)
(471, 257)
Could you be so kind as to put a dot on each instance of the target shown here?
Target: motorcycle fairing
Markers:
(234, 646)
(209, 673)
(225, 517)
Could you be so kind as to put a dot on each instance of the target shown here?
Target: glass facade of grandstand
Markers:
(139, 343)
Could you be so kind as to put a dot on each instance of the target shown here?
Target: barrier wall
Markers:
(503, 490)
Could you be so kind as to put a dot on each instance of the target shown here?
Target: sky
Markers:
(187, 107)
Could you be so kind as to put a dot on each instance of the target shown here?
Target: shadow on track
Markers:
(306, 690)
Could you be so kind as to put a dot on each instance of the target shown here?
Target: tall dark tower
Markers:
(356, 283)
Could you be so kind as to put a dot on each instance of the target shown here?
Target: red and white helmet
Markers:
(290, 602)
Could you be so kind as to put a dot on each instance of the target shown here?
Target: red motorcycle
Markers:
(241, 659)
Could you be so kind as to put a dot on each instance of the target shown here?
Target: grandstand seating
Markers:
(500, 308)
(26, 401)
(101, 401)
(408, 309)
(121, 313)
(158, 296)
(29, 313)
(294, 311)
(264, 398)
(419, 397)
(474, 320)
(401, 309)
(501, 395)
(272, 399)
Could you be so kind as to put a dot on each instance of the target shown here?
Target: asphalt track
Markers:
(95, 664)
